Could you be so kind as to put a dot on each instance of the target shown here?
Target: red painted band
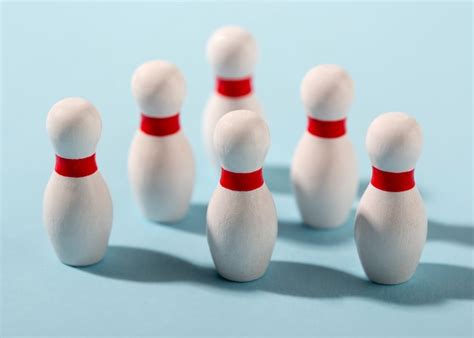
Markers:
(160, 126)
(75, 167)
(393, 182)
(241, 181)
(234, 88)
(326, 129)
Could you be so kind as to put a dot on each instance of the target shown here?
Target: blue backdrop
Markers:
(159, 279)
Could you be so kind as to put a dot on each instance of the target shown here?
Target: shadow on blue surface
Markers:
(437, 231)
(195, 222)
(460, 234)
(277, 178)
(300, 232)
(432, 283)
(144, 265)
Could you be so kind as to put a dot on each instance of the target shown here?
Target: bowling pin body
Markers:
(391, 222)
(241, 216)
(161, 165)
(77, 207)
(232, 52)
(324, 166)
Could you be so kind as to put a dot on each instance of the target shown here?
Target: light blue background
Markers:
(159, 279)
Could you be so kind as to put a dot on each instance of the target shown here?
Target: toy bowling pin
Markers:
(324, 166)
(77, 208)
(241, 217)
(160, 163)
(391, 223)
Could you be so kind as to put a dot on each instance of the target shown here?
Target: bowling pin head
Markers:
(394, 142)
(241, 140)
(74, 127)
(159, 88)
(232, 52)
(327, 92)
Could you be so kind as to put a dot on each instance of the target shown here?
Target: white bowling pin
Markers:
(324, 166)
(160, 164)
(241, 217)
(232, 52)
(391, 224)
(77, 208)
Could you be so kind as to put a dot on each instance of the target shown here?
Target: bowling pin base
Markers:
(241, 278)
(82, 263)
(384, 280)
(166, 219)
(323, 226)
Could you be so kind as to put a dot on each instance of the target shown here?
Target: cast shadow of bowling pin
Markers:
(152, 266)
(432, 282)
(277, 178)
(194, 221)
(302, 233)
(457, 233)
(144, 265)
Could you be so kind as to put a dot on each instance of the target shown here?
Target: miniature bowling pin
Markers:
(77, 208)
(391, 224)
(324, 166)
(241, 217)
(160, 163)
(232, 52)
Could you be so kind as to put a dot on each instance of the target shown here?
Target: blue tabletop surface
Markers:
(159, 279)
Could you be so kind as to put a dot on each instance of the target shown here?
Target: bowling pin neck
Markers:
(326, 129)
(75, 167)
(159, 126)
(234, 88)
(392, 182)
(241, 181)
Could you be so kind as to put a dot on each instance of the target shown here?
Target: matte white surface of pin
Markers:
(241, 225)
(77, 211)
(391, 227)
(324, 170)
(161, 168)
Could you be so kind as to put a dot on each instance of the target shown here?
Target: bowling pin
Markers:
(160, 163)
(232, 52)
(391, 224)
(77, 208)
(241, 217)
(324, 166)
